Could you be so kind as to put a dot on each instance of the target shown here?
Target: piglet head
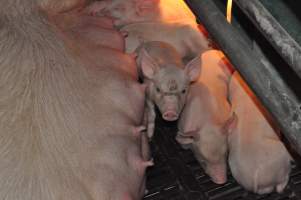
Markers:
(215, 165)
(169, 84)
(209, 145)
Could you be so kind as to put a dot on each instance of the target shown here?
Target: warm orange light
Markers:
(229, 11)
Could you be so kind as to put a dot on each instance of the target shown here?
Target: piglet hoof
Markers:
(280, 187)
(150, 133)
(149, 163)
(219, 181)
(266, 190)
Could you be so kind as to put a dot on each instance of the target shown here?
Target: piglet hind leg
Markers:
(281, 186)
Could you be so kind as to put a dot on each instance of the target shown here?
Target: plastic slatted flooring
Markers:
(178, 176)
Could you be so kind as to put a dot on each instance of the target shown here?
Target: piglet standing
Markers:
(257, 158)
(167, 80)
(206, 116)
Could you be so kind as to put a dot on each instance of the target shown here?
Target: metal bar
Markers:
(265, 81)
(286, 13)
(284, 44)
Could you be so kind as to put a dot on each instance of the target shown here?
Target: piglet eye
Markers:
(184, 91)
(157, 89)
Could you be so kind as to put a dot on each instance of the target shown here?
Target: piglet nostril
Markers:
(170, 116)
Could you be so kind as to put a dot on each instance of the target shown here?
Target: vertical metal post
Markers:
(265, 81)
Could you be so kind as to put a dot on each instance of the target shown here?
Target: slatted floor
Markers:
(178, 176)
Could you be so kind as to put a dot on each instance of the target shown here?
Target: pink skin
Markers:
(124, 61)
(68, 115)
(104, 56)
(170, 115)
(137, 131)
(96, 30)
(131, 186)
(216, 76)
(96, 7)
(102, 36)
(102, 22)
(123, 12)
(79, 17)
(167, 78)
(124, 173)
(140, 133)
(205, 131)
(205, 120)
(185, 38)
(118, 65)
(61, 6)
(257, 158)
(133, 11)
(146, 154)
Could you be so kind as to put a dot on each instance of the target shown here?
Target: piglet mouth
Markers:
(170, 116)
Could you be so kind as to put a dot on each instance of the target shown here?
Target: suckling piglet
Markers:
(257, 158)
(135, 11)
(205, 119)
(167, 80)
(187, 39)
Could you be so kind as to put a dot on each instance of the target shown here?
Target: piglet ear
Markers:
(193, 69)
(230, 124)
(148, 64)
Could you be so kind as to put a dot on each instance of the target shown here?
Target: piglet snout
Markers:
(217, 174)
(219, 179)
(170, 116)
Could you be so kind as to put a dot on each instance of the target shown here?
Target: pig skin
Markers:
(134, 11)
(187, 39)
(96, 30)
(206, 115)
(62, 114)
(257, 158)
(167, 80)
(142, 20)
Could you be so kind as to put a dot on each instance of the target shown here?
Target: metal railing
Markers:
(264, 80)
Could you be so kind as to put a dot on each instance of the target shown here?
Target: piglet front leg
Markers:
(149, 118)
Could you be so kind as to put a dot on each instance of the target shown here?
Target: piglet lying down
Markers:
(134, 11)
(257, 158)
